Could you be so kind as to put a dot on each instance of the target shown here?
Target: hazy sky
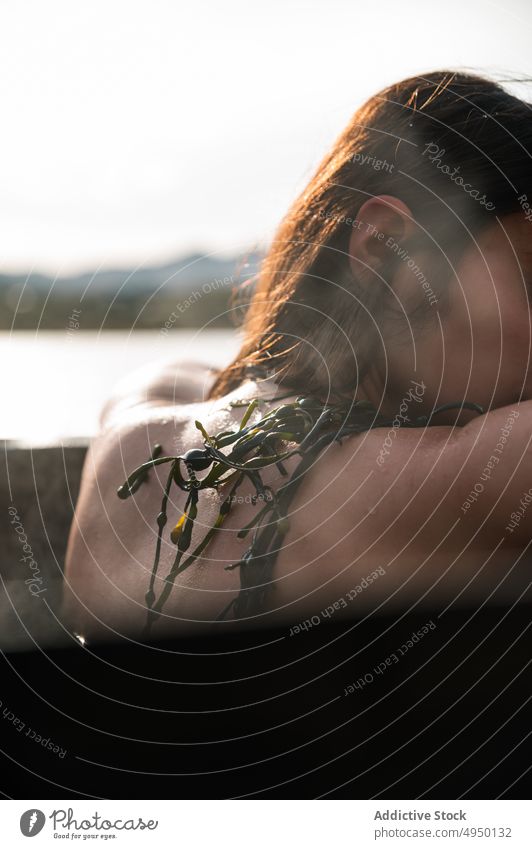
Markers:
(135, 131)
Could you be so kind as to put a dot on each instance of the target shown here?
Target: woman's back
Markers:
(364, 534)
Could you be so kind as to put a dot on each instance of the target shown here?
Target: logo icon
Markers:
(32, 822)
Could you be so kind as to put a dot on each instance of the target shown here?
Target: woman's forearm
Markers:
(495, 453)
(181, 382)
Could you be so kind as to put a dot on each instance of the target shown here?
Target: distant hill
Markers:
(197, 288)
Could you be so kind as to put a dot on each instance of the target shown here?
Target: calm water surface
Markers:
(53, 383)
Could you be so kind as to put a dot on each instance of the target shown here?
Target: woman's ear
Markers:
(382, 222)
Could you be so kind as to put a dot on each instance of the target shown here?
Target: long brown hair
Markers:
(309, 321)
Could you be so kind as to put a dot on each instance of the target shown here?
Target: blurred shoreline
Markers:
(199, 288)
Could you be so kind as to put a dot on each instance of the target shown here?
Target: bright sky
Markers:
(135, 131)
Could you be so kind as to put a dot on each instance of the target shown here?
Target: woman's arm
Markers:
(181, 382)
(495, 484)
(435, 516)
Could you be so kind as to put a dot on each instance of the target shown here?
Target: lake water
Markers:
(53, 384)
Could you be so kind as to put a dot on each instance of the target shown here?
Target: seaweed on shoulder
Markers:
(304, 428)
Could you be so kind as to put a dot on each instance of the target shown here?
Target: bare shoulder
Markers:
(112, 542)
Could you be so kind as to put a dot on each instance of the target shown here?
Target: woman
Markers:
(400, 277)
